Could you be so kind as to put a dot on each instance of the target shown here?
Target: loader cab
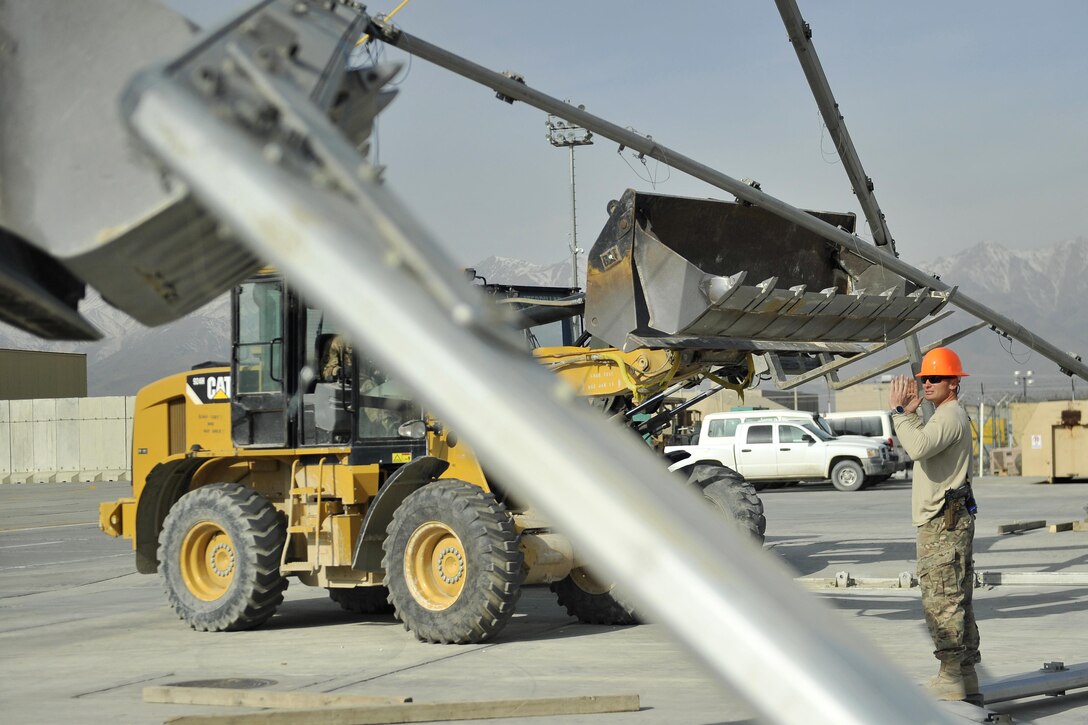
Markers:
(300, 383)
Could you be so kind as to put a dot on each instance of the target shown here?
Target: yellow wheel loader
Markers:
(287, 462)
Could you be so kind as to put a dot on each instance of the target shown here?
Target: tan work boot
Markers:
(948, 684)
(970, 684)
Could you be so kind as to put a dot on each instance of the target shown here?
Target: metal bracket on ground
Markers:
(844, 580)
(908, 580)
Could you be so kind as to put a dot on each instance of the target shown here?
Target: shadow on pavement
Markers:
(538, 617)
(1003, 603)
(854, 554)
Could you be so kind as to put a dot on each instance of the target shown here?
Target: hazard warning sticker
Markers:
(203, 389)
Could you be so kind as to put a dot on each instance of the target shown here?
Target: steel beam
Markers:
(800, 35)
(509, 88)
(1055, 678)
(834, 366)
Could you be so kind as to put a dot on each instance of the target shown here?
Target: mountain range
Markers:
(1042, 290)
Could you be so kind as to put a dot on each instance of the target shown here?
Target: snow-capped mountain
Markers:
(1043, 290)
(507, 270)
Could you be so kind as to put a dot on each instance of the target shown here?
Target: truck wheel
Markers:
(590, 601)
(847, 476)
(733, 497)
(452, 563)
(219, 556)
(362, 600)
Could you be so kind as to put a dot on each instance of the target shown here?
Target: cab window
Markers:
(723, 428)
(260, 341)
(792, 434)
(760, 434)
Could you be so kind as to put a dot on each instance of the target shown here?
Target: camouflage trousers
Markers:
(946, 576)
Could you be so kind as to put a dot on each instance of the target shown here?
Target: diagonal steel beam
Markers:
(507, 87)
(843, 362)
(904, 359)
(801, 36)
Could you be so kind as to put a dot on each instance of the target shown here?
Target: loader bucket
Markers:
(673, 272)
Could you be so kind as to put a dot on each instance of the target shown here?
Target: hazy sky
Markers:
(971, 117)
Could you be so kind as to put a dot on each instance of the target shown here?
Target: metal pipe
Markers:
(653, 424)
(740, 614)
(573, 224)
(801, 37)
(1054, 679)
(517, 90)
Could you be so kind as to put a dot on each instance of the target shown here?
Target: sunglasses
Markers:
(933, 379)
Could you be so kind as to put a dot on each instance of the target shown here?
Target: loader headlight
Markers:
(873, 453)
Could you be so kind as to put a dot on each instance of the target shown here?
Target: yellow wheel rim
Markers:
(587, 583)
(435, 565)
(208, 561)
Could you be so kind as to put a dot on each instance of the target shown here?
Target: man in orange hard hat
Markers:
(943, 510)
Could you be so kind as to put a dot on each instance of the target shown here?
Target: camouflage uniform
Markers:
(336, 361)
(946, 577)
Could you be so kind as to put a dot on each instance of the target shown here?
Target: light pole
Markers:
(1025, 380)
(564, 133)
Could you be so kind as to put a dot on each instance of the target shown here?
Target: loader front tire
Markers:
(733, 497)
(362, 600)
(585, 597)
(219, 556)
(452, 563)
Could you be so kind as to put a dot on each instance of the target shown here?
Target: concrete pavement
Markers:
(82, 634)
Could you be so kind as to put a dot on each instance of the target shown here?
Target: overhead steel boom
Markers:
(507, 87)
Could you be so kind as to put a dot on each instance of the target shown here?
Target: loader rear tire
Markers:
(219, 556)
(732, 497)
(452, 563)
(584, 597)
(362, 600)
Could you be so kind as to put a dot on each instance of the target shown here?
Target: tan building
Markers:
(726, 400)
(1053, 438)
(30, 374)
(864, 396)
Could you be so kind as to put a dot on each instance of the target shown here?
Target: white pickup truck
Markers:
(789, 451)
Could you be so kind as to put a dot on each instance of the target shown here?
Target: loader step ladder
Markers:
(299, 526)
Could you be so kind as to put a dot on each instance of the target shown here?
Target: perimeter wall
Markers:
(66, 439)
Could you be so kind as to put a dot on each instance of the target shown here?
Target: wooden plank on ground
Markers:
(1020, 526)
(424, 712)
(224, 696)
(1055, 528)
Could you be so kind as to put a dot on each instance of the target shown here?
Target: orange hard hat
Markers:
(941, 361)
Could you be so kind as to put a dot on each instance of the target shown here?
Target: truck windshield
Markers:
(818, 431)
(824, 426)
(384, 402)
